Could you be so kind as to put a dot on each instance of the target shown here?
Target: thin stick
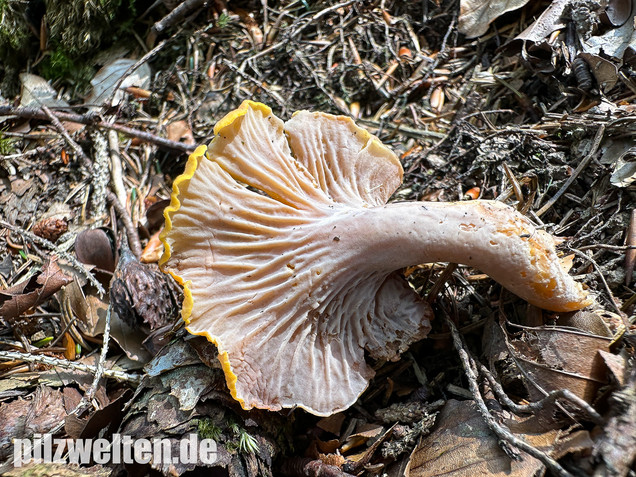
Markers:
(116, 170)
(564, 394)
(88, 119)
(177, 14)
(62, 130)
(582, 165)
(602, 278)
(121, 376)
(51, 246)
(131, 231)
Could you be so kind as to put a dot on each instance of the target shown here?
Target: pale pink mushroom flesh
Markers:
(294, 276)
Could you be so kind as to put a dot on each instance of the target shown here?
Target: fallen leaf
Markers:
(32, 292)
(22, 418)
(94, 247)
(616, 364)
(180, 131)
(333, 423)
(554, 358)
(605, 50)
(36, 91)
(463, 445)
(110, 76)
(153, 250)
(475, 16)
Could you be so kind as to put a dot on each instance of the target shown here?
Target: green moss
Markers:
(7, 145)
(14, 31)
(60, 65)
(79, 27)
(208, 430)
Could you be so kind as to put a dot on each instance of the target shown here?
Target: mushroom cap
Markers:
(252, 235)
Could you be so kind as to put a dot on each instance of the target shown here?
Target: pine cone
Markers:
(142, 294)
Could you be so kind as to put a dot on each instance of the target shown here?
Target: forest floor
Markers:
(99, 110)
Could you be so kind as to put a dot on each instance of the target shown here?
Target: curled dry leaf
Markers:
(476, 15)
(617, 12)
(153, 250)
(605, 50)
(154, 215)
(34, 291)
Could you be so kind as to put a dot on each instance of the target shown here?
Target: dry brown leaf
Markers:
(554, 358)
(22, 418)
(616, 364)
(332, 423)
(180, 131)
(360, 438)
(90, 310)
(463, 446)
(605, 50)
(32, 292)
(153, 250)
(476, 15)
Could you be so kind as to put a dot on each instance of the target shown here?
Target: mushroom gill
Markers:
(294, 276)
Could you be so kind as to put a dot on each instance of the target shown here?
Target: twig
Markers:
(100, 175)
(502, 433)
(62, 130)
(91, 119)
(440, 282)
(602, 278)
(177, 14)
(405, 130)
(62, 333)
(116, 170)
(99, 371)
(630, 255)
(131, 231)
(275, 96)
(564, 394)
(51, 246)
(121, 376)
(613, 248)
(280, 44)
(582, 165)
(132, 68)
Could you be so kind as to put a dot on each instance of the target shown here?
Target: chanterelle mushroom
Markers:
(293, 277)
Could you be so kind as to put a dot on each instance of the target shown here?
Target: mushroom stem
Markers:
(487, 235)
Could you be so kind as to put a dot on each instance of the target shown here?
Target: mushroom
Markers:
(282, 238)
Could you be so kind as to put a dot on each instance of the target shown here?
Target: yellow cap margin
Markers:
(186, 310)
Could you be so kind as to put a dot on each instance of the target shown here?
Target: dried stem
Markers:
(500, 431)
(121, 376)
(131, 231)
(51, 246)
(91, 119)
